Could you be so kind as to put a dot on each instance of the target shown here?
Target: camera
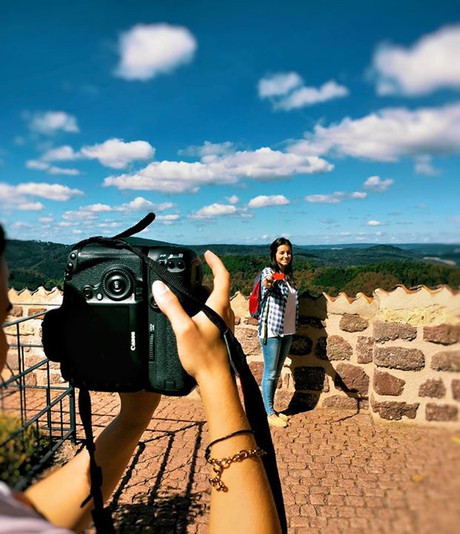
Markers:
(109, 334)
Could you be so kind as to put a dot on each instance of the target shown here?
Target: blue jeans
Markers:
(274, 352)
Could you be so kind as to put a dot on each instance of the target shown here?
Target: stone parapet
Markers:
(395, 354)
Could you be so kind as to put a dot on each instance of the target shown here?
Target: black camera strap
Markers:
(253, 403)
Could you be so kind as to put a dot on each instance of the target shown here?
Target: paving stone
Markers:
(339, 475)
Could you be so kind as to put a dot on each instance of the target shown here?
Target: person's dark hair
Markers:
(273, 248)
(2, 241)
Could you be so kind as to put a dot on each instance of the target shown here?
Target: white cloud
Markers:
(55, 192)
(39, 165)
(263, 201)
(334, 198)
(45, 220)
(214, 210)
(18, 194)
(374, 223)
(141, 204)
(388, 135)
(167, 219)
(279, 84)
(98, 208)
(147, 50)
(233, 199)
(376, 184)
(31, 206)
(117, 154)
(431, 63)
(79, 215)
(358, 194)
(50, 122)
(180, 176)
(287, 91)
(61, 153)
(208, 149)
(424, 166)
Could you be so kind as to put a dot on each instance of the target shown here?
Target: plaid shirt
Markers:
(274, 304)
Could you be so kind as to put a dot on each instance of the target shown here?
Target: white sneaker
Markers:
(274, 420)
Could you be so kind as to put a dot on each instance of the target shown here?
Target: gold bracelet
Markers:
(219, 464)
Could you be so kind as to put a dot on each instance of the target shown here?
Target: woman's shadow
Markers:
(310, 364)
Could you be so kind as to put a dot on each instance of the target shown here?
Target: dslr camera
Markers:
(109, 334)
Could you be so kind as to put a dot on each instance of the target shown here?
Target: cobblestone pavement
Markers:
(341, 473)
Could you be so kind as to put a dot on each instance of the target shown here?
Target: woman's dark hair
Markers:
(2, 241)
(273, 249)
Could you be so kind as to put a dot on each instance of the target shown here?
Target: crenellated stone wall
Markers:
(395, 354)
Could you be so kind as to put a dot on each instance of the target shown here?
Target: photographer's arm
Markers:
(59, 496)
(248, 505)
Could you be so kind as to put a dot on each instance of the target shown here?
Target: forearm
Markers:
(247, 506)
(59, 496)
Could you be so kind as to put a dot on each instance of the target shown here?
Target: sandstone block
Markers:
(387, 384)
(399, 358)
(456, 389)
(320, 348)
(441, 412)
(353, 323)
(446, 361)
(338, 348)
(432, 388)
(444, 334)
(301, 346)
(313, 322)
(395, 411)
(365, 349)
(340, 402)
(351, 378)
(391, 331)
(33, 311)
(251, 321)
(309, 378)
(257, 369)
(15, 312)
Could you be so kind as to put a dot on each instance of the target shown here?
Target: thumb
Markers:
(169, 304)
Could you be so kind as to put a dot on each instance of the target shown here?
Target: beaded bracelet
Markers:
(219, 464)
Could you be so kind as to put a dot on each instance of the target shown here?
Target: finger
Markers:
(169, 304)
(220, 274)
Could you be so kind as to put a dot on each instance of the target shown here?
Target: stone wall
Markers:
(395, 354)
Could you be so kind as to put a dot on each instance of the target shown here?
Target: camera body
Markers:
(112, 335)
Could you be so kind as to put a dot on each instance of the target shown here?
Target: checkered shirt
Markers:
(273, 307)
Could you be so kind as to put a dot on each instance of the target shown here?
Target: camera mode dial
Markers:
(117, 284)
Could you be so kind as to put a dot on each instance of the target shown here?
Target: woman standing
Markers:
(277, 322)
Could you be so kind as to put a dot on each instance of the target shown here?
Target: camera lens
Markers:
(117, 284)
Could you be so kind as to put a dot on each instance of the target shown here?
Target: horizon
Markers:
(332, 125)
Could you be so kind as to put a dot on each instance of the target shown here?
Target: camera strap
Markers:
(252, 397)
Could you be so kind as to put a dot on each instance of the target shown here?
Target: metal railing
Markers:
(30, 393)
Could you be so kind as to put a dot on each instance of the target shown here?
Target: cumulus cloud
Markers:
(208, 149)
(287, 91)
(55, 192)
(423, 165)
(335, 198)
(180, 176)
(213, 210)
(31, 206)
(233, 199)
(18, 196)
(387, 135)
(377, 185)
(147, 50)
(61, 153)
(431, 63)
(168, 219)
(51, 122)
(117, 154)
(263, 201)
(373, 223)
(39, 165)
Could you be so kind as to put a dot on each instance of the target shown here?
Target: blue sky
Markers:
(235, 122)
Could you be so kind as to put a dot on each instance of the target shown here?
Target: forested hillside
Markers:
(351, 269)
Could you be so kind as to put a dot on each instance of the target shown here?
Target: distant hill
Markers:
(330, 268)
